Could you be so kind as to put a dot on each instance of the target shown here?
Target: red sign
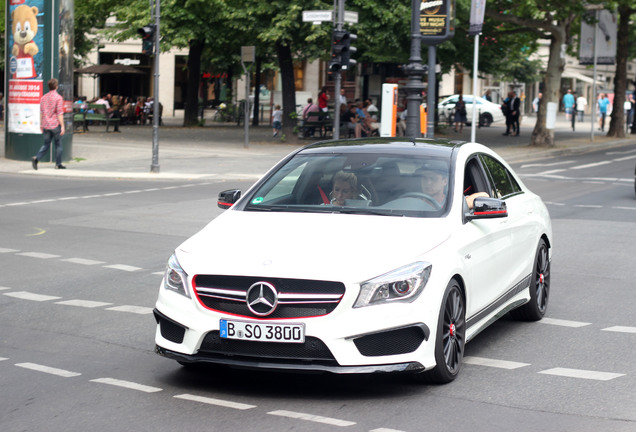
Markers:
(25, 91)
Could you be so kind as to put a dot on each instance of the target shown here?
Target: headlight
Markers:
(401, 285)
(175, 278)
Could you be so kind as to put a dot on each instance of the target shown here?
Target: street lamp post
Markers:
(415, 71)
(154, 167)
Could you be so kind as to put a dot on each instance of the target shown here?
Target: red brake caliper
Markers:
(452, 330)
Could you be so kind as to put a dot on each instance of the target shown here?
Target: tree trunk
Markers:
(257, 91)
(194, 74)
(541, 135)
(286, 65)
(617, 123)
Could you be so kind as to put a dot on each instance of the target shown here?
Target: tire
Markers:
(485, 120)
(535, 309)
(451, 337)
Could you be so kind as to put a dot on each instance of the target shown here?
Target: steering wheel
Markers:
(423, 196)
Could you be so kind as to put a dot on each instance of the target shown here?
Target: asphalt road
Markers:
(82, 263)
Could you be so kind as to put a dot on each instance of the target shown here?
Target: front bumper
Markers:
(288, 366)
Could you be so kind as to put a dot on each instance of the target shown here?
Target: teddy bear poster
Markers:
(26, 38)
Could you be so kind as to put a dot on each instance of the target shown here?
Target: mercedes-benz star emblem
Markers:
(262, 298)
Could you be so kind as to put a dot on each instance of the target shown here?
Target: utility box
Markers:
(389, 110)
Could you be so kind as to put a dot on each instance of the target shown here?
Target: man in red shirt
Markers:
(51, 124)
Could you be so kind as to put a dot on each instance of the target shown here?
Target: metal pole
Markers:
(594, 78)
(154, 167)
(473, 126)
(246, 108)
(430, 96)
(414, 70)
(336, 114)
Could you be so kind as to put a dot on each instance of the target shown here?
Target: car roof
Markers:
(397, 146)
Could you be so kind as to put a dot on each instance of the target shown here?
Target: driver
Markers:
(434, 180)
(345, 186)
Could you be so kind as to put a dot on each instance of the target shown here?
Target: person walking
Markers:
(51, 124)
(460, 114)
(568, 104)
(581, 103)
(603, 103)
(536, 103)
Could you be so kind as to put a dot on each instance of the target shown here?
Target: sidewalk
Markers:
(217, 151)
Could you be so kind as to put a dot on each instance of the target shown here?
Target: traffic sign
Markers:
(317, 16)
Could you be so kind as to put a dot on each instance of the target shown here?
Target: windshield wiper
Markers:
(368, 211)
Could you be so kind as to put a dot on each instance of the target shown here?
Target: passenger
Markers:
(345, 186)
(434, 179)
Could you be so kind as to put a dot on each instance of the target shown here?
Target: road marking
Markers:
(40, 255)
(3, 358)
(161, 273)
(43, 201)
(132, 309)
(584, 374)
(83, 261)
(554, 203)
(49, 370)
(620, 329)
(217, 402)
(587, 206)
(16, 204)
(83, 303)
(502, 364)
(547, 165)
(68, 198)
(311, 417)
(5, 250)
(563, 323)
(624, 208)
(625, 158)
(4, 288)
(112, 194)
(123, 267)
(132, 192)
(127, 384)
(24, 295)
(385, 430)
(547, 173)
(592, 165)
(40, 232)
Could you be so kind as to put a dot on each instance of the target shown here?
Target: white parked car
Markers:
(356, 256)
(487, 112)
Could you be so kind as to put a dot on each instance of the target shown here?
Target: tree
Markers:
(625, 49)
(554, 20)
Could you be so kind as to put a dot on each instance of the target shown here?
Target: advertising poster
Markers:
(25, 42)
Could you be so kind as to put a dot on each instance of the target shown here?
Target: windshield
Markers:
(357, 183)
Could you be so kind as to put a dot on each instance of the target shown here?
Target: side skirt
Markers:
(505, 298)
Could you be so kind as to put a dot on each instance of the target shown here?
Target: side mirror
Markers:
(487, 208)
(228, 198)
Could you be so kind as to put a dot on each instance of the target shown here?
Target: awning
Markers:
(580, 77)
(103, 69)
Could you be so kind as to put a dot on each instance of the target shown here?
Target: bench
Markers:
(318, 120)
(79, 118)
(99, 114)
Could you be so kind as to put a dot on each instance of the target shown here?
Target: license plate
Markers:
(290, 333)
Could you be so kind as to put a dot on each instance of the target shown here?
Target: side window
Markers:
(503, 183)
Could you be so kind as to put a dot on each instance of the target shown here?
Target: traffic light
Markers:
(348, 50)
(148, 39)
(337, 46)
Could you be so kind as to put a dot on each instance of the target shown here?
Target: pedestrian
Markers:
(505, 109)
(488, 95)
(536, 103)
(581, 103)
(342, 97)
(309, 108)
(51, 124)
(515, 104)
(277, 120)
(574, 112)
(322, 99)
(568, 104)
(603, 103)
(460, 114)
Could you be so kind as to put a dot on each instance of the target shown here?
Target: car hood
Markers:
(322, 246)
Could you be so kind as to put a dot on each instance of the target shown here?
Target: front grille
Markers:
(312, 350)
(392, 342)
(297, 298)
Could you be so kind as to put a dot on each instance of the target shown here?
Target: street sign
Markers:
(317, 16)
(351, 17)
(127, 61)
(248, 54)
